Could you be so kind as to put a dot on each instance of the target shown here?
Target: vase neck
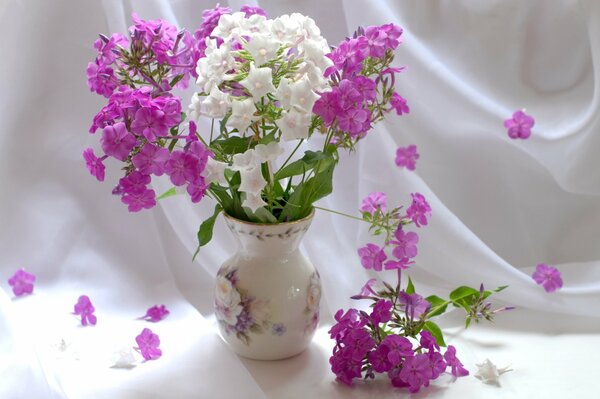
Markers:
(268, 239)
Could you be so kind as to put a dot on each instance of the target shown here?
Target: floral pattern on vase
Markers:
(313, 299)
(237, 312)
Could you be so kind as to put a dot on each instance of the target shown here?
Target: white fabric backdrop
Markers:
(499, 206)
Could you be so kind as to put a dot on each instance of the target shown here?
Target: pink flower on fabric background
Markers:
(138, 200)
(519, 126)
(22, 282)
(93, 164)
(456, 366)
(405, 244)
(156, 313)
(367, 289)
(373, 202)
(548, 277)
(85, 309)
(151, 159)
(117, 141)
(406, 157)
(148, 344)
(398, 103)
(419, 210)
(372, 257)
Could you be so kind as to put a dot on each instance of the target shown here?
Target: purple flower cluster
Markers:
(22, 282)
(353, 97)
(403, 243)
(361, 346)
(141, 115)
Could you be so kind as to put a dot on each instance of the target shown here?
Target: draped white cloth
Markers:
(500, 206)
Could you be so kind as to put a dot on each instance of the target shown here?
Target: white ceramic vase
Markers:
(267, 294)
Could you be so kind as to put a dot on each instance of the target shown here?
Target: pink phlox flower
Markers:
(181, 167)
(170, 106)
(148, 343)
(374, 202)
(419, 210)
(150, 123)
(398, 264)
(22, 282)
(379, 359)
(197, 189)
(393, 34)
(366, 87)
(377, 40)
(355, 121)
(108, 48)
(348, 96)
(428, 341)
(414, 305)
(85, 309)
(360, 341)
(382, 311)
(151, 159)
(138, 200)
(352, 319)
(93, 164)
(405, 244)
(407, 157)
(372, 257)
(519, 126)
(343, 365)
(367, 289)
(101, 79)
(135, 182)
(456, 366)
(156, 313)
(400, 347)
(328, 106)
(548, 277)
(415, 372)
(117, 142)
(399, 104)
(252, 10)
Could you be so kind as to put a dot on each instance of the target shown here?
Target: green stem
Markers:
(290, 157)
(212, 126)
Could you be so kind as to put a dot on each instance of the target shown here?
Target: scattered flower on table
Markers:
(124, 358)
(22, 282)
(156, 313)
(456, 366)
(519, 126)
(406, 157)
(148, 343)
(488, 373)
(548, 277)
(85, 309)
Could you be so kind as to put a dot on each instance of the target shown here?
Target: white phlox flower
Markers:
(262, 48)
(194, 109)
(216, 104)
(488, 373)
(244, 161)
(242, 114)
(268, 152)
(253, 202)
(259, 82)
(253, 181)
(294, 124)
(302, 95)
(214, 171)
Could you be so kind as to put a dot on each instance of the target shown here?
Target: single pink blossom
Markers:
(148, 344)
(406, 157)
(372, 257)
(548, 277)
(117, 141)
(373, 202)
(519, 126)
(85, 309)
(156, 313)
(94, 164)
(22, 282)
(399, 104)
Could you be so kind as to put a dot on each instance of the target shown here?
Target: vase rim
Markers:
(304, 219)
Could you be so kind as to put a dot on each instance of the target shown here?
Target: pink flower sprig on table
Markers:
(548, 277)
(519, 126)
(85, 309)
(22, 282)
(156, 313)
(148, 343)
(398, 336)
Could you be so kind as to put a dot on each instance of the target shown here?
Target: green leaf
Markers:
(488, 293)
(436, 331)
(438, 305)
(206, 230)
(410, 288)
(175, 80)
(465, 293)
(233, 145)
(223, 196)
(169, 193)
(309, 161)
